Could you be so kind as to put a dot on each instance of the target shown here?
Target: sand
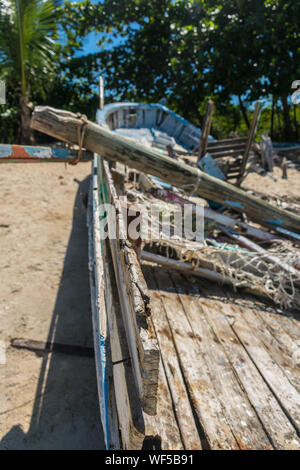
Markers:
(47, 402)
(282, 187)
(50, 401)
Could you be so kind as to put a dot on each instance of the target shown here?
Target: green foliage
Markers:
(189, 51)
(185, 51)
(28, 30)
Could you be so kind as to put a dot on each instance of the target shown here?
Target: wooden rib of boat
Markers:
(182, 362)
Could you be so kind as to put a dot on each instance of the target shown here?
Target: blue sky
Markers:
(90, 42)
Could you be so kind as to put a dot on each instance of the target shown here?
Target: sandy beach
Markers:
(48, 401)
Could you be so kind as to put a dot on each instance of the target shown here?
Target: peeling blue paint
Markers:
(234, 204)
(105, 387)
(19, 152)
(5, 150)
(274, 222)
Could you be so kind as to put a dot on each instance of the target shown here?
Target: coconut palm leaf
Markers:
(27, 32)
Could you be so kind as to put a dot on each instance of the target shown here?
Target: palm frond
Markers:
(38, 30)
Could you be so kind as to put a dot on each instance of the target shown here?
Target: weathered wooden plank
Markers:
(289, 322)
(204, 398)
(225, 153)
(281, 433)
(23, 153)
(244, 422)
(129, 410)
(276, 324)
(213, 147)
(137, 428)
(99, 319)
(288, 233)
(163, 425)
(178, 391)
(135, 425)
(64, 125)
(283, 390)
(134, 300)
(227, 142)
(279, 345)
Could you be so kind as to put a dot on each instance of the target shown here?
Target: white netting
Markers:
(251, 270)
(274, 274)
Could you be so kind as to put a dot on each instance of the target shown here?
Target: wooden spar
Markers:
(22, 153)
(64, 125)
(205, 130)
(254, 122)
(204, 273)
(210, 214)
(184, 267)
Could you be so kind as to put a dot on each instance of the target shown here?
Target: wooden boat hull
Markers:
(226, 376)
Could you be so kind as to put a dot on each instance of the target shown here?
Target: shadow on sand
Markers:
(66, 411)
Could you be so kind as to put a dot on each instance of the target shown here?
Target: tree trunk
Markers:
(244, 112)
(25, 115)
(280, 131)
(288, 130)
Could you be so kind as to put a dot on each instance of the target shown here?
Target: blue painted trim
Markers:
(274, 222)
(288, 232)
(234, 204)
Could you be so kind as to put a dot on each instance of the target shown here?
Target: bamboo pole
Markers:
(66, 126)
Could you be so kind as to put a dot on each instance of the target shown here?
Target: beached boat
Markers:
(184, 361)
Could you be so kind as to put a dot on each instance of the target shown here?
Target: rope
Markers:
(83, 120)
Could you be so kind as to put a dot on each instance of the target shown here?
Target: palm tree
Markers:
(27, 32)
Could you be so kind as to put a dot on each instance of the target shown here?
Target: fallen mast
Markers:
(72, 128)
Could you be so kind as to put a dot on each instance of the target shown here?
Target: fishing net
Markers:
(274, 274)
(250, 270)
